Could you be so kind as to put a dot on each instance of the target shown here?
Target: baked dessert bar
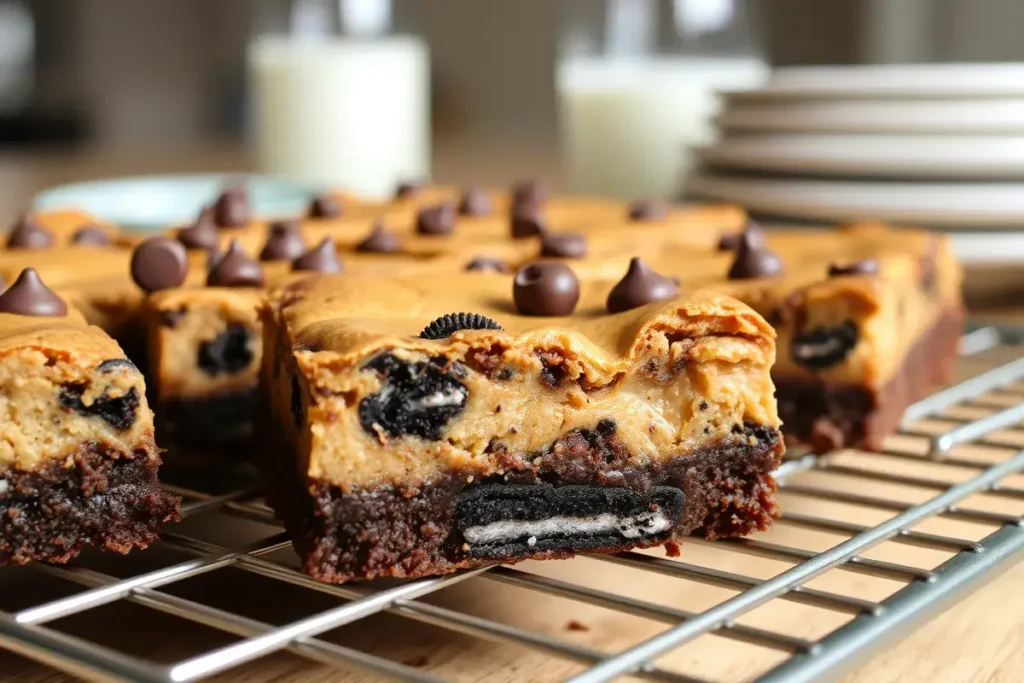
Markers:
(415, 426)
(877, 330)
(79, 463)
(868, 317)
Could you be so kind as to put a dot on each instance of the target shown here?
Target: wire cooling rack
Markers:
(869, 547)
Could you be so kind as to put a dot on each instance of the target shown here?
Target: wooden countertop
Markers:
(978, 640)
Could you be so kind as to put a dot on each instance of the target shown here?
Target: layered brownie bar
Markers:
(868, 317)
(874, 328)
(78, 463)
(420, 425)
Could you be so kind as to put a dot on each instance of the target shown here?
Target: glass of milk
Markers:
(339, 101)
(636, 84)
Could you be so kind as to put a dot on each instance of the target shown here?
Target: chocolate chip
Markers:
(202, 234)
(546, 288)
(728, 241)
(864, 267)
(825, 347)
(563, 245)
(648, 209)
(436, 220)
(325, 206)
(753, 259)
(159, 263)
(475, 202)
(529, 195)
(118, 412)
(527, 223)
(235, 269)
(408, 190)
(112, 364)
(91, 236)
(640, 286)
(29, 296)
(450, 323)
(231, 210)
(487, 263)
(416, 398)
(323, 258)
(28, 234)
(227, 353)
(284, 243)
(380, 241)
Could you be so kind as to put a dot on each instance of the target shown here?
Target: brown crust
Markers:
(830, 416)
(105, 499)
(391, 531)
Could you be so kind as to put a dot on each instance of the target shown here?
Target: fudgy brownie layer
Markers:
(830, 416)
(212, 421)
(726, 490)
(103, 500)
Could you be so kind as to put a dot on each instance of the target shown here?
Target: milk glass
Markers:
(636, 83)
(339, 99)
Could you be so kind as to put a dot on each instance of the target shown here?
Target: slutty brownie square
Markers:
(78, 463)
(868, 321)
(416, 426)
(868, 317)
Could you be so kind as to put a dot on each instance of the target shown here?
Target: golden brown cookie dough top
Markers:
(354, 317)
(65, 227)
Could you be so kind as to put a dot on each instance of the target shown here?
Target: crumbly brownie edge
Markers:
(830, 416)
(105, 498)
(388, 531)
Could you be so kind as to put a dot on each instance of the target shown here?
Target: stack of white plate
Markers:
(937, 146)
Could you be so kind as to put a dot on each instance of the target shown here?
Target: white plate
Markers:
(902, 80)
(945, 205)
(949, 157)
(920, 117)
(147, 203)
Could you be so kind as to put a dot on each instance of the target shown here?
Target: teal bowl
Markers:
(151, 203)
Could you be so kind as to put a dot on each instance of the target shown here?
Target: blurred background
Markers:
(602, 96)
(154, 74)
(115, 73)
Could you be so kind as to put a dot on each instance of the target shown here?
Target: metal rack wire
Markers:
(959, 447)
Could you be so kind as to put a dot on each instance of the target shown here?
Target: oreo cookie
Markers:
(415, 398)
(450, 323)
(499, 521)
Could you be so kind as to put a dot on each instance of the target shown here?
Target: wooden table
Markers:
(981, 639)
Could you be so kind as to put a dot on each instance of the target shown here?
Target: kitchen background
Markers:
(152, 73)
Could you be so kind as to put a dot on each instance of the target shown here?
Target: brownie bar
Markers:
(497, 436)
(826, 416)
(78, 460)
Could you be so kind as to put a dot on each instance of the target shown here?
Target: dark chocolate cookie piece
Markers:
(450, 323)
(824, 347)
(119, 412)
(227, 353)
(501, 521)
(416, 399)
